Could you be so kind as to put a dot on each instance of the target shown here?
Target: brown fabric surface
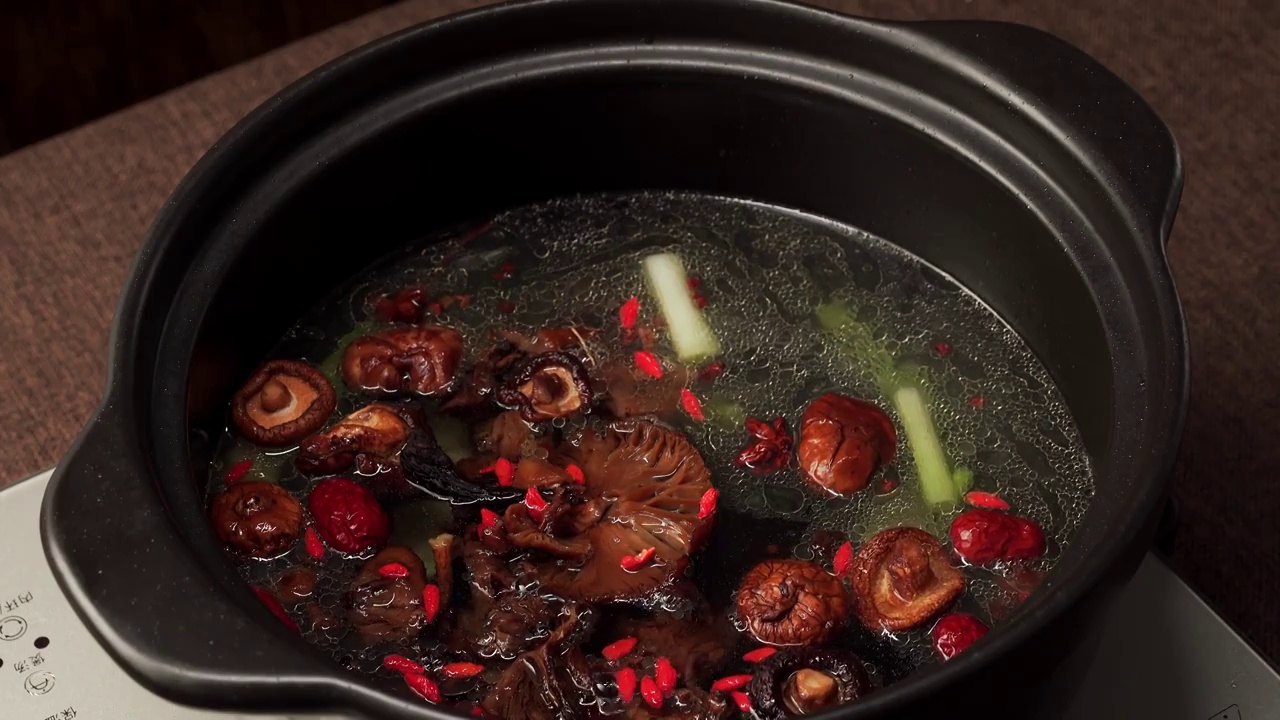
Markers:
(73, 210)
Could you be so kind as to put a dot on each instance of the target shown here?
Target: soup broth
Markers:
(760, 274)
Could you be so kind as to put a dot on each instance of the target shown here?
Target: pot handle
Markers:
(161, 616)
(1083, 104)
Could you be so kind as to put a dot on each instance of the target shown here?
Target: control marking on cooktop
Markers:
(1231, 713)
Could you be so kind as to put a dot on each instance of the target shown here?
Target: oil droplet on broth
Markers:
(762, 271)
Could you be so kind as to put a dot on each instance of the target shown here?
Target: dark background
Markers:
(66, 62)
(74, 209)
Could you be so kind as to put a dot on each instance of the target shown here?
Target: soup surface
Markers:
(647, 455)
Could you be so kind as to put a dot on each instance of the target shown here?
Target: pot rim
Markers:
(930, 37)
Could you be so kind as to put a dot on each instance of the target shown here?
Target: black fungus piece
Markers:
(426, 466)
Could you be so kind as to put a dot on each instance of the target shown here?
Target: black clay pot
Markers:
(996, 152)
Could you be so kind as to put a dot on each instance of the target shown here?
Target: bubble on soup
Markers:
(762, 271)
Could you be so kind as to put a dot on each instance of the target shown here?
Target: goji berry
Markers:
(633, 563)
(488, 519)
(942, 348)
(404, 306)
(505, 271)
(759, 655)
(506, 306)
(626, 679)
(732, 682)
(430, 602)
(393, 570)
(955, 632)
(311, 541)
(980, 499)
(650, 692)
(575, 473)
(505, 470)
(276, 608)
(648, 363)
(629, 313)
(239, 470)
(982, 536)
(666, 676)
(692, 405)
(423, 686)
(347, 516)
(459, 670)
(742, 701)
(700, 300)
(477, 711)
(843, 559)
(707, 503)
(536, 504)
(694, 282)
(977, 402)
(402, 664)
(619, 649)
(711, 372)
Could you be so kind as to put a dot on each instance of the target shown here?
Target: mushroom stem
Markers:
(275, 396)
(809, 691)
(909, 571)
(442, 553)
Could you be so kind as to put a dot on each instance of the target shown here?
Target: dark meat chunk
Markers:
(791, 602)
(257, 519)
(633, 393)
(422, 359)
(283, 402)
(804, 681)
(547, 386)
(384, 608)
(505, 435)
(843, 441)
(902, 577)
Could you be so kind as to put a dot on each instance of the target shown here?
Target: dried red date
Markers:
(983, 536)
(347, 516)
(955, 632)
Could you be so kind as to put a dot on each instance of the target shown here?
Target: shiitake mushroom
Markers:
(791, 602)
(803, 681)
(281, 403)
(258, 519)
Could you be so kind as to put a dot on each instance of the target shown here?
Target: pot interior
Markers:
(355, 177)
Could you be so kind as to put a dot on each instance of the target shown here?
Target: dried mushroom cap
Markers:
(283, 402)
(902, 577)
(258, 519)
(422, 359)
(388, 609)
(843, 441)
(547, 386)
(377, 430)
(791, 602)
(803, 681)
(642, 486)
